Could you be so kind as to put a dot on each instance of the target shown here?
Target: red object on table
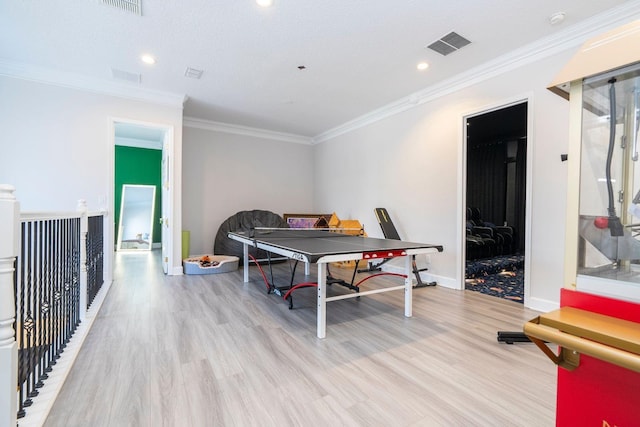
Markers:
(601, 222)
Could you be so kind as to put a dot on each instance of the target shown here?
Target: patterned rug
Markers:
(501, 277)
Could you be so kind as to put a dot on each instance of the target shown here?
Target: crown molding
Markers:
(569, 38)
(561, 41)
(77, 81)
(193, 122)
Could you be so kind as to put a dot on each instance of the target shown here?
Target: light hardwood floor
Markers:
(213, 351)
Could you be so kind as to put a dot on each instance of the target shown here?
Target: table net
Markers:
(297, 233)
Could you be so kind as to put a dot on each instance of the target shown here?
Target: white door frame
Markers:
(167, 201)
(462, 196)
(167, 208)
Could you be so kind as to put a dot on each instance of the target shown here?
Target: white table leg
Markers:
(322, 300)
(408, 287)
(245, 254)
(307, 268)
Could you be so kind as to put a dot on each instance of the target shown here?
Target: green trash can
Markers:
(186, 241)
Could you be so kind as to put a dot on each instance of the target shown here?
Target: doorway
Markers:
(141, 153)
(496, 205)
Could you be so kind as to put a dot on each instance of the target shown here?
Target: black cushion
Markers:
(245, 221)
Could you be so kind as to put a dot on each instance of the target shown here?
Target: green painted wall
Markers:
(140, 166)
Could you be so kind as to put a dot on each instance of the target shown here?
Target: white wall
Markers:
(56, 145)
(56, 149)
(410, 163)
(226, 173)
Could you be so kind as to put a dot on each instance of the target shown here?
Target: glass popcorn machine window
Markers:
(609, 223)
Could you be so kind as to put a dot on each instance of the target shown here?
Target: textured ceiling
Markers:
(359, 55)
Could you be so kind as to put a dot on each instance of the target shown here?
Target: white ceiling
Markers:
(359, 55)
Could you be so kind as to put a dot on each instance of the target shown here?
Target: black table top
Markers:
(315, 244)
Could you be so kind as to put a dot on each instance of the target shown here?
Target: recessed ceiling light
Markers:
(148, 59)
(422, 66)
(264, 3)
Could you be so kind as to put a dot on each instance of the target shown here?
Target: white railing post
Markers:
(9, 249)
(84, 229)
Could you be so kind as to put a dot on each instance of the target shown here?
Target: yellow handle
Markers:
(539, 333)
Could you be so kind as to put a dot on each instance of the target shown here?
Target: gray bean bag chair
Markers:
(244, 221)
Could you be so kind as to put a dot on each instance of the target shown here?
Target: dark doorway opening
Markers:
(496, 202)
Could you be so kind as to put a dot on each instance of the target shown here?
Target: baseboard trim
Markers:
(446, 282)
(541, 305)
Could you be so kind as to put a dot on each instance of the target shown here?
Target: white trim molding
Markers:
(193, 122)
(558, 42)
(89, 84)
(543, 305)
(543, 48)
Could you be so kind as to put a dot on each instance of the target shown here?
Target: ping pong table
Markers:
(320, 247)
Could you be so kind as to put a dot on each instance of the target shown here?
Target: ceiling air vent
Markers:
(449, 43)
(131, 6)
(125, 75)
(193, 73)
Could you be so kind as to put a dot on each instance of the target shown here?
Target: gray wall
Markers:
(227, 173)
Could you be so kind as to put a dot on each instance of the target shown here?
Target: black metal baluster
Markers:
(68, 283)
(46, 296)
(63, 281)
(51, 330)
(55, 318)
(46, 292)
(99, 250)
(37, 303)
(99, 253)
(20, 323)
(66, 314)
(91, 284)
(29, 320)
(60, 288)
(74, 279)
(57, 288)
(95, 272)
(48, 355)
(76, 275)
